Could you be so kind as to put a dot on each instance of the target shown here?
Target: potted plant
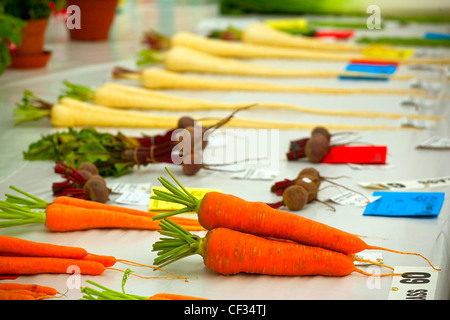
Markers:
(30, 53)
(96, 20)
(10, 35)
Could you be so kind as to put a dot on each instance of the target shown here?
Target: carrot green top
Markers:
(18, 211)
(175, 195)
(109, 294)
(178, 244)
(15, 215)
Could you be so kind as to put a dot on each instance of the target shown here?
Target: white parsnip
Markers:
(246, 50)
(157, 78)
(183, 59)
(118, 95)
(273, 45)
(263, 34)
(74, 113)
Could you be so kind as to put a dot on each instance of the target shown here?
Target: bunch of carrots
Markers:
(19, 291)
(71, 214)
(253, 237)
(84, 183)
(25, 257)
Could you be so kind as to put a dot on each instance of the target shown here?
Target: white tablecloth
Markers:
(91, 64)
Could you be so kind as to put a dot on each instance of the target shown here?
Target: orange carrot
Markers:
(30, 287)
(39, 265)
(230, 252)
(42, 251)
(97, 205)
(16, 246)
(107, 261)
(60, 217)
(17, 209)
(31, 293)
(42, 265)
(228, 211)
(173, 296)
(11, 295)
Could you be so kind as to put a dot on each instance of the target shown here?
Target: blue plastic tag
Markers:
(371, 68)
(405, 204)
(436, 36)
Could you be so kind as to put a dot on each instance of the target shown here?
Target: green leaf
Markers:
(76, 91)
(94, 151)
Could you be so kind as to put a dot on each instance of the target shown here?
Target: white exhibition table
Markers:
(429, 237)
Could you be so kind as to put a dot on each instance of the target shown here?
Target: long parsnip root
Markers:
(157, 78)
(120, 95)
(260, 41)
(247, 50)
(260, 34)
(184, 59)
(71, 113)
(263, 34)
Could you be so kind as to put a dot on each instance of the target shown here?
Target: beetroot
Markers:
(307, 183)
(185, 122)
(295, 197)
(88, 166)
(96, 189)
(317, 148)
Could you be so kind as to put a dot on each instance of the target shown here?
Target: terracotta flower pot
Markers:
(30, 54)
(33, 36)
(96, 17)
(30, 61)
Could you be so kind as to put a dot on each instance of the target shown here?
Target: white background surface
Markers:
(91, 64)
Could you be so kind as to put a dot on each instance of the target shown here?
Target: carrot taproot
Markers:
(229, 252)
(30, 287)
(109, 261)
(14, 246)
(71, 211)
(45, 250)
(173, 296)
(185, 59)
(35, 295)
(50, 265)
(60, 217)
(223, 210)
(157, 78)
(89, 205)
(11, 295)
(39, 265)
